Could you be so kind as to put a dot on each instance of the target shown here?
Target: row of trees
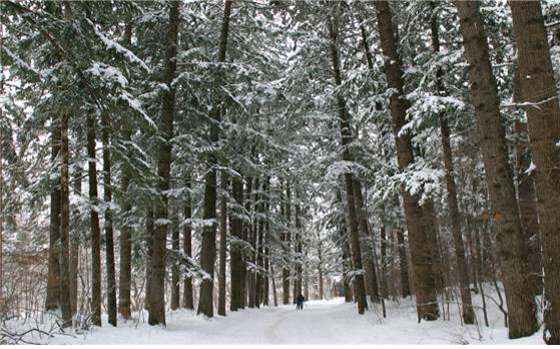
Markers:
(286, 128)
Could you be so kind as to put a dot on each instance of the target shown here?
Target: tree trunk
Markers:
(346, 138)
(403, 264)
(187, 245)
(286, 245)
(125, 271)
(320, 268)
(371, 274)
(424, 283)
(468, 311)
(125, 258)
(246, 234)
(74, 257)
(53, 280)
(499, 176)
(94, 223)
(176, 246)
(539, 86)
(109, 241)
(208, 246)
(527, 196)
(236, 258)
(150, 247)
(299, 250)
(273, 286)
(65, 225)
(259, 284)
(383, 266)
(223, 245)
(252, 277)
(157, 278)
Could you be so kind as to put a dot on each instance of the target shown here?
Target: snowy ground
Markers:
(321, 322)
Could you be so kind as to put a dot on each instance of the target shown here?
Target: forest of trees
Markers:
(223, 155)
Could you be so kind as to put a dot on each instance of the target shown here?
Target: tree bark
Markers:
(383, 266)
(208, 248)
(499, 176)
(286, 245)
(176, 246)
(125, 258)
(157, 278)
(424, 283)
(187, 245)
(403, 264)
(94, 223)
(369, 260)
(53, 280)
(74, 256)
(236, 258)
(65, 225)
(346, 138)
(539, 86)
(463, 276)
(109, 241)
(527, 196)
(125, 271)
(223, 245)
(149, 243)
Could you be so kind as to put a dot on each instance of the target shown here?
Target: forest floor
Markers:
(320, 322)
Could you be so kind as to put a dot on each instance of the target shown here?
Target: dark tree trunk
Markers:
(499, 176)
(371, 274)
(424, 283)
(246, 235)
(176, 246)
(320, 269)
(149, 243)
(259, 284)
(539, 86)
(208, 246)
(223, 245)
(236, 228)
(125, 258)
(299, 270)
(403, 264)
(252, 277)
(187, 245)
(65, 225)
(109, 241)
(286, 245)
(75, 248)
(53, 280)
(125, 271)
(463, 276)
(94, 223)
(266, 258)
(157, 278)
(383, 266)
(346, 138)
(346, 267)
(527, 196)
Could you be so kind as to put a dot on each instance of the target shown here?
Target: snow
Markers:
(320, 322)
(111, 44)
(531, 168)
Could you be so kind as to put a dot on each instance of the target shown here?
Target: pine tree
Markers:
(499, 176)
(157, 268)
(424, 283)
(208, 248)
(538, 88)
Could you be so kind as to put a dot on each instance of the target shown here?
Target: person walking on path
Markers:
(300, 299)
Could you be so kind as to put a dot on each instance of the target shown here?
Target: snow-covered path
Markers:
(321, 322)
